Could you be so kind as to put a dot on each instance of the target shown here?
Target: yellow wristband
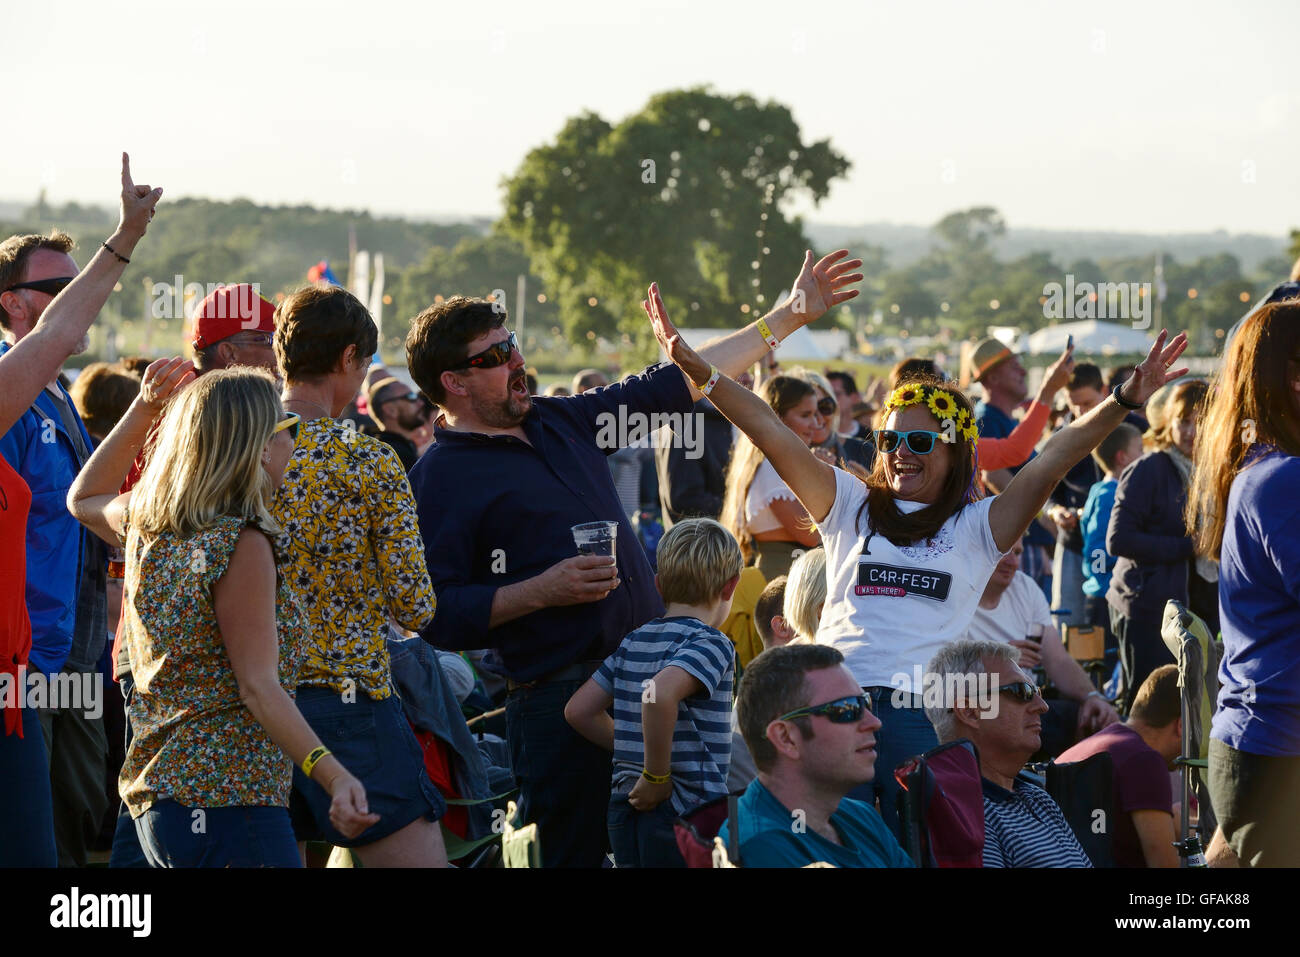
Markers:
(765, 331)
(309, 763)
(714, 376)
(656, 778)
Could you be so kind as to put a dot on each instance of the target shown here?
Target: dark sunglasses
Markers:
(920, 441)
(51, 287)
(826, 407)
(1022, 691)
(840, 711)
(290, 422)
(491, 357)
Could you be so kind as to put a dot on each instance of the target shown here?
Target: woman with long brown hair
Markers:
(1244, 510)
(909, 551)
(759, 509)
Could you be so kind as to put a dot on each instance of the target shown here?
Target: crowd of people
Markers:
(330, 609)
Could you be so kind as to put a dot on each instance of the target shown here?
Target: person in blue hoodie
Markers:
(66, 583)
(1243, 509)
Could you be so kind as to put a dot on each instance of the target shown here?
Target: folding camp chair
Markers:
(941, 806)
(697, 834)
(1197, 654)
(1084, 791)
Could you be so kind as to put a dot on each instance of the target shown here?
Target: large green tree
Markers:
(690, 191)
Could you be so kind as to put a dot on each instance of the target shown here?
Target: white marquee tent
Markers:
(1091, 338)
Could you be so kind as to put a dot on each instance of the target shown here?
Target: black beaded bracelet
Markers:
(114, 252)
(1123, 401)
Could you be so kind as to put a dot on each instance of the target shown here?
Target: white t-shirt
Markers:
(766, 488)
(889, 611)
(1023, 604)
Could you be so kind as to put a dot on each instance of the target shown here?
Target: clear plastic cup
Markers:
(596, 538)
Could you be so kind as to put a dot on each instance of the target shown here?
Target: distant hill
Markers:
(906, 244)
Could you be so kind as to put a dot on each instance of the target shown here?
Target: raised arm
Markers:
(1016, 448)
(1023, 498)
(37, 357)
(93, 499)
(818, 286)
(811, 480)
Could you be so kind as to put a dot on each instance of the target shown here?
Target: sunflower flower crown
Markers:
(942, 403)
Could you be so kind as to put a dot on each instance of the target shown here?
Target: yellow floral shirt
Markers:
(353, 554)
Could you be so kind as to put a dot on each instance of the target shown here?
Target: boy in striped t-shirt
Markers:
(669, 684)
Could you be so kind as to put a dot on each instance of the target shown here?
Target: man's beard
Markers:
(503, 414)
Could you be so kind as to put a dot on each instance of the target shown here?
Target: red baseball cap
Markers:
(228, 310)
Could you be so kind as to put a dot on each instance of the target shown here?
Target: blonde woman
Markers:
(213, 632)
(759, 509)
(805, 594)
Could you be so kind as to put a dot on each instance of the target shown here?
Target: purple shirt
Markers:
(1140, 781)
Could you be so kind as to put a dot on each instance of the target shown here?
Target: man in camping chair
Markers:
(991, 702)
(812, 734)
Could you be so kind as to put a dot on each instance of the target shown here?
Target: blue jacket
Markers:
(1094, 523)
(39, 449)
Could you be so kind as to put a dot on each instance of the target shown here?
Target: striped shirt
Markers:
(1025, 828)
(702, 737)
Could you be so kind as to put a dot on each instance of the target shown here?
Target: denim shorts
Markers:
(173, 835)
(373, 740)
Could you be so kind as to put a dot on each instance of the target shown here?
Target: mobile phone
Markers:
(1069, 342)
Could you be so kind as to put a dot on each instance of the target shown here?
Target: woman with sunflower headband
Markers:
(910, 550)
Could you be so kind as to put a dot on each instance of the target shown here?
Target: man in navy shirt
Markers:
(508, 476)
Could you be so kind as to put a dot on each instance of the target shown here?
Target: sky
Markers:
(1134, 116)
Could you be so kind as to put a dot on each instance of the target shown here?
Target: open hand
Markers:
(821, 284)
(138, 202)
(163, 379)
(1154, 370)
(682, 355)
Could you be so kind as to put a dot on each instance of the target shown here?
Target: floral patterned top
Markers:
(353, 554)
(194, 740)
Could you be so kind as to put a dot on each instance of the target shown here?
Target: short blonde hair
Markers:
(805, 593)
(696, 559)
(205, 462)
